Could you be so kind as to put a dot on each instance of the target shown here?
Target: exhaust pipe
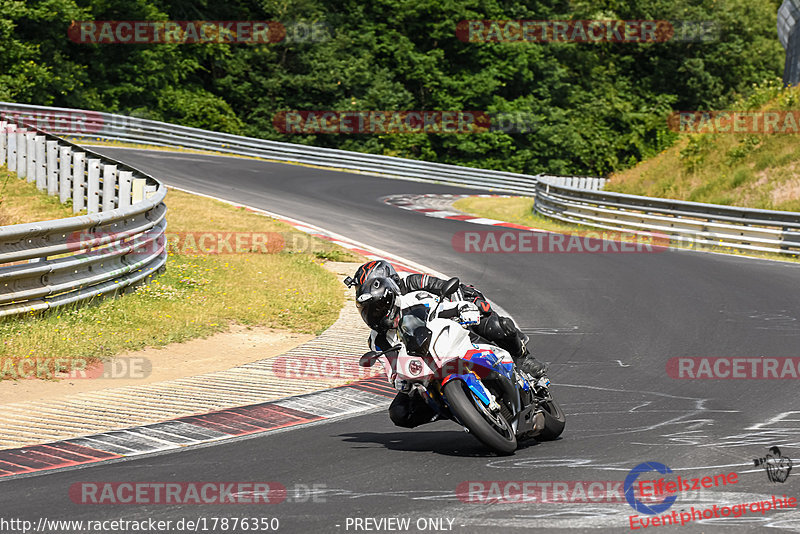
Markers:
(538, 423)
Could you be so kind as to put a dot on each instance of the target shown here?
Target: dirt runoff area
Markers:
(237, 346)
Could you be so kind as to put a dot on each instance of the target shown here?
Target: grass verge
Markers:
(744, 169)
(519, 210)
(199, 294)
(21, 202)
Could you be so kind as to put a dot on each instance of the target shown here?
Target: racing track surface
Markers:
(607, 323)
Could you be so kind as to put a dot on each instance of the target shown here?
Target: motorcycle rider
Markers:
(377, 300)
(377, 297)
(492, 327)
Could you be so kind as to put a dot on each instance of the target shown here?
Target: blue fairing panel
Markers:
(473, 383)
(489, 360)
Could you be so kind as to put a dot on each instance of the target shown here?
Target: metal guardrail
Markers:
(119, 243)
(91, 125)
(573, 199)
(576, 182)
(685, 223)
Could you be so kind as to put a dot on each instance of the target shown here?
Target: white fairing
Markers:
(449, 341)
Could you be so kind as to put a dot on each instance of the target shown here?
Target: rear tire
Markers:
(463, 405)
(554, 421)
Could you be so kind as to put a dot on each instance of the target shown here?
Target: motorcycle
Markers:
(465, 378)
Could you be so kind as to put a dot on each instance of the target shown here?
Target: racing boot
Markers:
(516, 344)
(530, 365)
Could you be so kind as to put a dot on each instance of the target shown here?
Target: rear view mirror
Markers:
(368, 359)
(451, 286)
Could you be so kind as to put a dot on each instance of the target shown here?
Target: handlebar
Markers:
(449, 314)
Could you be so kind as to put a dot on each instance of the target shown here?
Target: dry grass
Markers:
(518, 210)
(757, 171)
(198, 295)
(21, 202)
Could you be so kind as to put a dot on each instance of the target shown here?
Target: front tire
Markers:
(491, 430)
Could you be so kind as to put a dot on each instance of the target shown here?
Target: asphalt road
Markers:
(606, 323)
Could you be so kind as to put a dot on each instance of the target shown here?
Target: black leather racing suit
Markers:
(492, 327)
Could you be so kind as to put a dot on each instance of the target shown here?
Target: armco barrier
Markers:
(92, 125)
(685, 223)
(119, 243)
(571, 199)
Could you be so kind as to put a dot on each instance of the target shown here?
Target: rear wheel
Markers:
(491, 429)
(554, 421)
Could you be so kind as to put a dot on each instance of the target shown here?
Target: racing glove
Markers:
(468, 313)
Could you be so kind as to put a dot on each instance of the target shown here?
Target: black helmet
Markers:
(375, 269)
(377, 302)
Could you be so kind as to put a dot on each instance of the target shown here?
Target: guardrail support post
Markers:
(73, 174)
(11, 152)
(125, 184)
(30, 148)
(138, 190)
(3, 141)
(65, 167)
(41, 163)
(22, 164)
(78, 181)
(52, 167)
(93, 186)
(109, 186)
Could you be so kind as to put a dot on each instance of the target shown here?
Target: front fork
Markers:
(433, 397)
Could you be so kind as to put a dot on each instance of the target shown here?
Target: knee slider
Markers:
(508, 326)
(493, 327)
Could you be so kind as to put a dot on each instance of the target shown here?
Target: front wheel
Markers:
(491, 429)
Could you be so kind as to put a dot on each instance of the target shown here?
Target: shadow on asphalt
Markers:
(444, 442)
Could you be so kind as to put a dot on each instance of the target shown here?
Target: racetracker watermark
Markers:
(322, 368)
(522, 242)
(735, 122)
(403, 122)
(188, 243)
(172, 493)
(144, 526)
(196, 31)
(729, 368)
(526, 491)
(62, 121)
(75, 368)
(175, 31)
(586, 31)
